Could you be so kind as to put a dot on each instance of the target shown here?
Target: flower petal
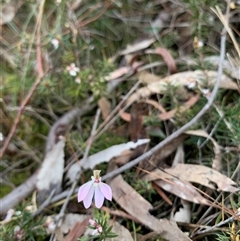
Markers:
(84, 190)
(72, 73)
(106, 190)
(94, 232)
(92, 222)
(99, 229)
(87, 201)
(99, 197)
(76, 69)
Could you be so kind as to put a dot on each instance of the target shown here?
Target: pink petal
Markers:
(99, 229)
(106, 190)
(98, 198)
(92, 222)
(87, 201)
(84, 190)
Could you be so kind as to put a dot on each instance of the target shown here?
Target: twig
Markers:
(31, 91)
(222, 53)
(231, 219)
(46, 202)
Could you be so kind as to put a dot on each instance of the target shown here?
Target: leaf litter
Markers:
(165, 173)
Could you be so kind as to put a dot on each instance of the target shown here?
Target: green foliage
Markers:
(144, 188)
(101, 227)
(24, 225)
(202, 18)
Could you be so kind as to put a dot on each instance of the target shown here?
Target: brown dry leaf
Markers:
(137, 206)
(167, 57)
(156, 105)
(147, 78)
(184, 190)
(217, 163)
(51, 172)
(136, 127)
(138, 46)
(105, 107)
(170, 114)
(199, 174)
(118, 73)
(182, 79)
(162, 193)
(125, 116)
(165, 115)
(69, 227)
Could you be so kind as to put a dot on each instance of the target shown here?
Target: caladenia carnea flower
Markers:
(95, 188)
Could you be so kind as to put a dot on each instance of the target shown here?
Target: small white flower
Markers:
(206, 91)
(1, 136)
(50, 224)
(18, 213)
(55, 43)
(72, 69)
(191, 84)
(200, 43)
(94, 232)
(78, 80)
(16, 229)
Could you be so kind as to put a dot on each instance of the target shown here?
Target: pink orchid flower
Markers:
(94, 188)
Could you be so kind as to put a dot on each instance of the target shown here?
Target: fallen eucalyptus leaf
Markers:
(198, 174)
(137, 206)
(103, 156)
